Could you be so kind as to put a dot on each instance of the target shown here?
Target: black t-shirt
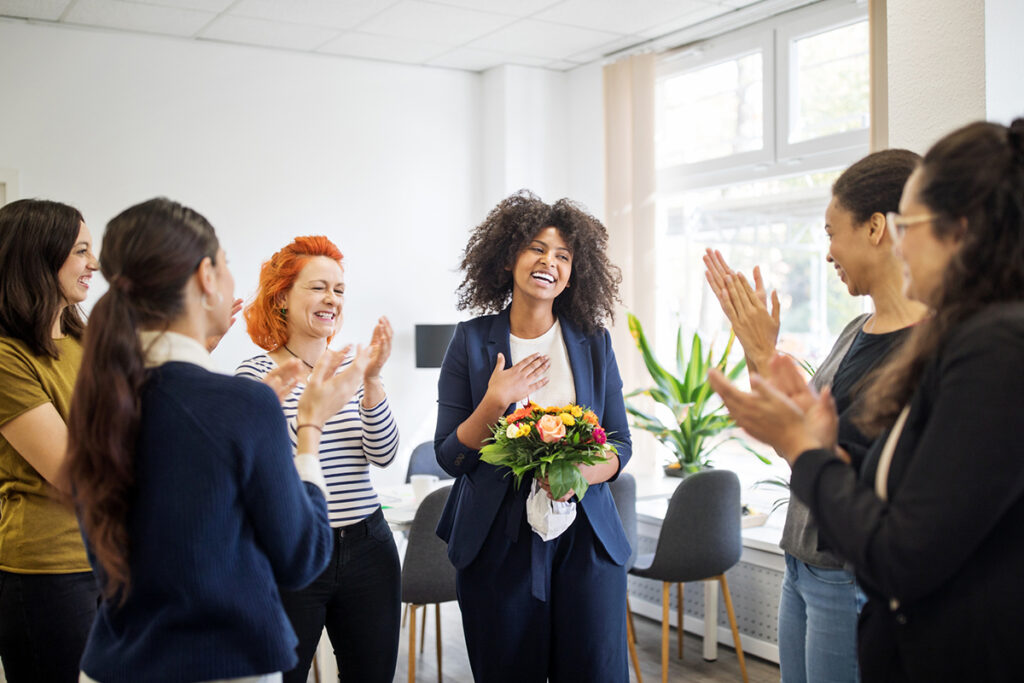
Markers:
(866, 353)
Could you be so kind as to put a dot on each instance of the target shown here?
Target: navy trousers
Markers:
(577, 634)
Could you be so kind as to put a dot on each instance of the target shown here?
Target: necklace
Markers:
(308, 365)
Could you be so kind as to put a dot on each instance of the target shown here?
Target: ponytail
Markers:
(149, 253)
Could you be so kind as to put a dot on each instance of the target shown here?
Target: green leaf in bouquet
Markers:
(494, 454)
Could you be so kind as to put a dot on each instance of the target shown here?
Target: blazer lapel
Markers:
(498, 342)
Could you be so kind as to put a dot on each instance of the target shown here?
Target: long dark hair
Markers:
(149, 253)
(36, 238)
(496, 243)
(973, 181)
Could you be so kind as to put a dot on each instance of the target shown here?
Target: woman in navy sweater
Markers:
(193, 509)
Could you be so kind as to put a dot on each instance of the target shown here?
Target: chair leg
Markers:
(405, 612)
(437, 620)
(664, 630)
(631, 641)
(732, 622)
(412, 643)
(629, 615)
(679, 617)
(423, 630)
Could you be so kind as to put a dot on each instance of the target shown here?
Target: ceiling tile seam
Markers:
(199, 33)
(63, 15)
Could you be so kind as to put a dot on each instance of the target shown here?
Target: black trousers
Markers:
(576, 635)
(44, 623)
(359, 599)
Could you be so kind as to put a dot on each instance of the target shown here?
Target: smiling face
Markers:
(850, 248)
(314, 303)
(76, 273)
(925, 255)
(542, 268)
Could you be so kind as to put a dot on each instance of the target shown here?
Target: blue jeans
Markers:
(818, 624)
(44, 622)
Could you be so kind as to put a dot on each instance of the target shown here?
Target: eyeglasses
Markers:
(898, 224)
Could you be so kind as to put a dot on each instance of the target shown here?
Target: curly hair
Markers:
(496, 243)
(265, 317)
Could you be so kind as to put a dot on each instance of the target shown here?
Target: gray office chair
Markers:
(428, 577)
(624, 494)
(423, 461)
(699, 540)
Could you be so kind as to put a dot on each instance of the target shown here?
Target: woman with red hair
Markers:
(295, 313)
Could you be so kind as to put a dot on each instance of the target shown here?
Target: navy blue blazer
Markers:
(479, 487)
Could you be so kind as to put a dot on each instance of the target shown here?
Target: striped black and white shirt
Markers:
(353, 439)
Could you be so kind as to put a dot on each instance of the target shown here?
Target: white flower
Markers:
(512, 431)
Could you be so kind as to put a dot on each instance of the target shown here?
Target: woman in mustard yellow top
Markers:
(48, 595)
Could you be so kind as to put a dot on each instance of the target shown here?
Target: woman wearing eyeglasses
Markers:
(932, 523)
(820, 601)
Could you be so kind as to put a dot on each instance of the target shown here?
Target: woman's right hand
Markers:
(746, 307)
(515, 384)
(327, 390)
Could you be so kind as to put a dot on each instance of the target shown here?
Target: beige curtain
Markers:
(879, 75)
(630, 199)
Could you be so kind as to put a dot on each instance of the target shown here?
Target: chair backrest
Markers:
(423, 461)
(624, 493)
(700, 536)
(427, 574)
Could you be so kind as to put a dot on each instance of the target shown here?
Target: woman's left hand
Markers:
(382, 335)
(790, 419)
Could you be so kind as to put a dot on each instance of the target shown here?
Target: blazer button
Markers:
(459, 458)
(901, 619)
(894, 604)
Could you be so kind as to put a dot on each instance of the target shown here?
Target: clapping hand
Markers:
(519, 381)
(327, 390)
(382, 335)
(784, 413)
(212, 341)
(284, 378)
(746, 308)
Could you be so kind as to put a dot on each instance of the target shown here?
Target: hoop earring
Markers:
(205, 303)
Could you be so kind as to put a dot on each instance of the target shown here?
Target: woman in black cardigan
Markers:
(934, 521)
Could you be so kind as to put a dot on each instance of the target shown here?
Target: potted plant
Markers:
(688, 397)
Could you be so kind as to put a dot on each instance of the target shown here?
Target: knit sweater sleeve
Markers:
(380, 433)
(289, 516)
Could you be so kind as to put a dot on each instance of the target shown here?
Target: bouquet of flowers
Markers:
(550, 442)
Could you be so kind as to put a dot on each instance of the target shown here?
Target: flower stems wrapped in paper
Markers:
(550, 443)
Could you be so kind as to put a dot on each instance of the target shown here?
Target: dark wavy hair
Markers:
(149, 253)
(874, 184)
(973, 181)
(36, 238)
(509, 228)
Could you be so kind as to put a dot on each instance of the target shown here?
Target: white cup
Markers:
(422, 484)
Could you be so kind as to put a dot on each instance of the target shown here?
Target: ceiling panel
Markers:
(325, 13)
(206, 5)
(385, 48)
(267, 33)
(471, 59)
(133, 16)
(515, 8)
(443, 23)
(543, 39)
(618, 16)
(34, 9)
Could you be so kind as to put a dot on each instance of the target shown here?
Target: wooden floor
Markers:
(455, 665)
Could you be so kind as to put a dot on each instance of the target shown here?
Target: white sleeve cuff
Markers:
(308, 466)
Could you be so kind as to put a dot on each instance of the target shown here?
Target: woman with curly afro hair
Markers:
(535, 606)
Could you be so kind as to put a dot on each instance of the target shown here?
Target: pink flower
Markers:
(599, 435)
(551, 428)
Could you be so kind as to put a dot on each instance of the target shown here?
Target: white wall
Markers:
(384, 159)
(1004, 60)
(936, 57)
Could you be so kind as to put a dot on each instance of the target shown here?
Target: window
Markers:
(752, 130)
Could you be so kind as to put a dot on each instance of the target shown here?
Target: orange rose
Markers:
(551, 429)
